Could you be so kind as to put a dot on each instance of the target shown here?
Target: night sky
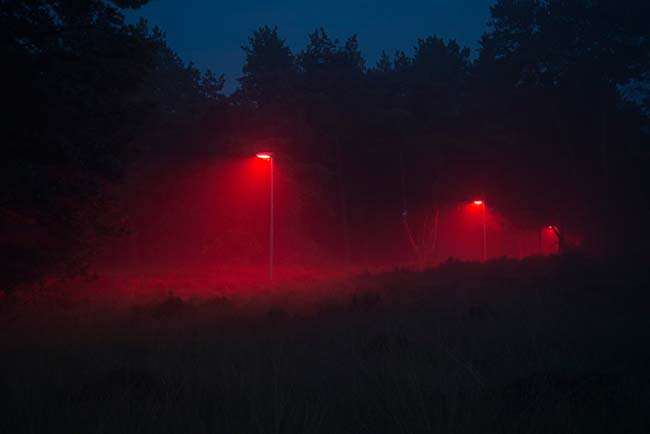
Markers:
(210, 33)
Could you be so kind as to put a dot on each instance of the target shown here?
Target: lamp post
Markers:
(268, 156)
(482, 205)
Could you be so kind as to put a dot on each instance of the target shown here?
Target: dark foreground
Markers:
(547, 345)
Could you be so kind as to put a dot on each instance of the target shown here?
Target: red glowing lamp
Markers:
(264, 155)
(478, 202)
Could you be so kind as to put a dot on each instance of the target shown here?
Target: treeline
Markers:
(81, 90)
(548, 121)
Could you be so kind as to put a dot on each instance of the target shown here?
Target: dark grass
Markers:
(544, 345)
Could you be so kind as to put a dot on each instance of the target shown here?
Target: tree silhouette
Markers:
(81, 87)
(270, 72)
(549, 76)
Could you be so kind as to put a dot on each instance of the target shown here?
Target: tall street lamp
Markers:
(268, 156)
(482, 205)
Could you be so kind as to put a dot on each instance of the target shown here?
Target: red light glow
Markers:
(263, 155)
(478, 202)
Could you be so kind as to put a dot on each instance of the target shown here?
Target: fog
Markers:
(211, 217)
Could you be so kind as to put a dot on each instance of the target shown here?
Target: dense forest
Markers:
(549, 120)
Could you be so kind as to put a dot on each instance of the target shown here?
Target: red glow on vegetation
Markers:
(264, 155)
(478, 202)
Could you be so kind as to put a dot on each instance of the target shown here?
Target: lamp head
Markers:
(264, 155)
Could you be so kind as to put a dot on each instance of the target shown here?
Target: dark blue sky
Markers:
(211, 32)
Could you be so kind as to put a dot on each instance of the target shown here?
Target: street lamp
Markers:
(482, 205)
(268, 156)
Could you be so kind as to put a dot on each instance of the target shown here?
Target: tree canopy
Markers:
(80, 87)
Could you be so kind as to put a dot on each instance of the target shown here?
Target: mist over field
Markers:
(545, 344)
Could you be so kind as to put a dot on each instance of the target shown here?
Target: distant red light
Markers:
(264, 155)
(478, 202)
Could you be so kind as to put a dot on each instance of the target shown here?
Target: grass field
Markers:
(543, 345)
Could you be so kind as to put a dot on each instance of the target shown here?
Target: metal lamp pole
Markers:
(271, 226)
(269, 156)
(484, 235)
(481, 203)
